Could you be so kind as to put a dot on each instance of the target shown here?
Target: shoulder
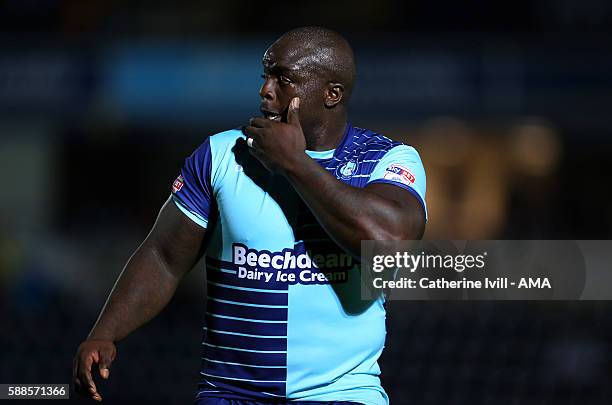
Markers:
(371, 144)
(227, 137)
(217, 143)
(221, 140)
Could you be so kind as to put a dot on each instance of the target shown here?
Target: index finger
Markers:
(259, 122)
(253, 132)
(85, 377)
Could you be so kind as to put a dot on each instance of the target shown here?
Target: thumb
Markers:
(107, 355)
(293, 117)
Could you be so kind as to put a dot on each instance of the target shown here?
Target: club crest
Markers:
(346, 170)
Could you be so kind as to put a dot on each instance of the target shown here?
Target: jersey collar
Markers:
(328, 154)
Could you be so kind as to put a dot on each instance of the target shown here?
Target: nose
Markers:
(266, 92)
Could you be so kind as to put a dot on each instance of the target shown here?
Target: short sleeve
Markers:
(402, 167)
(192, 190)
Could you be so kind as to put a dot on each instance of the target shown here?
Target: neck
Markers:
(327, 134)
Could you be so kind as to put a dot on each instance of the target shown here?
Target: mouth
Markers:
(271, 115)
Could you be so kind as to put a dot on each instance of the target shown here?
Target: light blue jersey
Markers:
(284, 314)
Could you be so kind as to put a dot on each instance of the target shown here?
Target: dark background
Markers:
(509, 104)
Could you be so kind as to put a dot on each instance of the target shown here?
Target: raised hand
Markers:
(279, 146)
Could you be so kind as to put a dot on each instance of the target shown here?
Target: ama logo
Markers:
(347, 170)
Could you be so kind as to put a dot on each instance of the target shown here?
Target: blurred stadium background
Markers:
(509, 104)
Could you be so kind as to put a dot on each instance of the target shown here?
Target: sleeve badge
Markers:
(400, 174)
(178, 184)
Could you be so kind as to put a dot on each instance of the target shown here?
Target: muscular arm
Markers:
(350, 214)
(146, 284)
(151, 275)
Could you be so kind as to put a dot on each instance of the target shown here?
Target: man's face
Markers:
(288, 72)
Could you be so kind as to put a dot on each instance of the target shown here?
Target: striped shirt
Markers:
(284, 315)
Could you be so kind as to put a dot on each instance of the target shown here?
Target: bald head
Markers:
(323, 52)
(316, 66)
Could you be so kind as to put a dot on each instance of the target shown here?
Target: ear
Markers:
(333, 94)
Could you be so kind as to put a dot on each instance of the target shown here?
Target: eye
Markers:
(284, 79)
